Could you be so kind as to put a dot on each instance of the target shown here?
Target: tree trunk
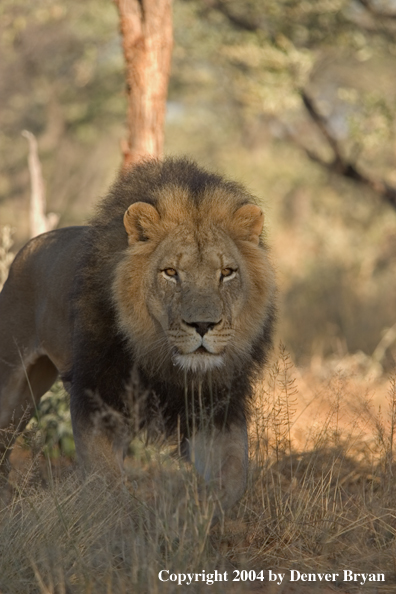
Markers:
(146, 28)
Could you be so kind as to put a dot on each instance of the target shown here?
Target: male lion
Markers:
(163, 306)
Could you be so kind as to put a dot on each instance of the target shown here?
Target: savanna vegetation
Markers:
(297, 100)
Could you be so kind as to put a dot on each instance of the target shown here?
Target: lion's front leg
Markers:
(221, 458)
(98, 453)
(101, 441)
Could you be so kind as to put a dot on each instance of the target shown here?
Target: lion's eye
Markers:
(227, 273)
(170, 272)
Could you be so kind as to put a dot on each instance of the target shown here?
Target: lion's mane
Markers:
(104, 354)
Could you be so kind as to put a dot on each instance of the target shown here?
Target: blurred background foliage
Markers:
(283, 95)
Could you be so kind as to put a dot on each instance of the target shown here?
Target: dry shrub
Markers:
(327, 506)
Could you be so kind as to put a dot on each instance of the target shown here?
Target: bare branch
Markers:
(39, 221)
(340, 164)
(322, 124)
(237, 20)
(376, 12)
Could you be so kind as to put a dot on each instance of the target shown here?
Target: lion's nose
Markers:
(202, 327)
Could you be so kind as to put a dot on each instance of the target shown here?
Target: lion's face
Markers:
(193, 287)
(197, 295)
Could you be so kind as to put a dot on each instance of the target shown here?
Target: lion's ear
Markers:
(141, 221)
(248, 223)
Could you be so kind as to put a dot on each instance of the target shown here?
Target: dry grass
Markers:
(321, 497)
(69, 536)
(329, 503)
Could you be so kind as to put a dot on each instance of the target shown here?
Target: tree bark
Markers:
(147, 40)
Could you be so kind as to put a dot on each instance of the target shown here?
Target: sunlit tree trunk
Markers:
(146, 28)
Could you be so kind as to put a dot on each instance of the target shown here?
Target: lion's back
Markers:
(35, 300)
